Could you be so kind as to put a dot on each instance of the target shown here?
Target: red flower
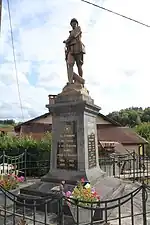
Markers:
(98, 197)
(95, 194)
(82, 180)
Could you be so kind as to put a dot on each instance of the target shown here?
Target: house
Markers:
(124, 135)
(112, 137)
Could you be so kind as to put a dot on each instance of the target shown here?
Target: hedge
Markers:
(38, 151)
(15, 145)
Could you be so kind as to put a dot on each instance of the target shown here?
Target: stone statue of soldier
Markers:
(75, 50)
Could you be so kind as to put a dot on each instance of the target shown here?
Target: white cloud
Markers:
(116, 66)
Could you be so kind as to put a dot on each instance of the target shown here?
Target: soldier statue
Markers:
(74, 51)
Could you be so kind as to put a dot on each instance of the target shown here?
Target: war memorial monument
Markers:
(74, 152)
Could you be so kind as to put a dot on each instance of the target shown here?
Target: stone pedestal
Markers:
(74, 138)
(74, 141)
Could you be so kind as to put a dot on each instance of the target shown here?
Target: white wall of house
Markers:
(100, 120)
(46, 120)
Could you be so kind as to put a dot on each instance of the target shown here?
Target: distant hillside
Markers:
(7, 122)
(131, 116)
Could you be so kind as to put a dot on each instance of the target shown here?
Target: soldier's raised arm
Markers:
(76, 32)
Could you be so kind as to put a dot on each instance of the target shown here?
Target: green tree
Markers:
(146, 115)
(7, 122)
(45, 142)
(131, 116)
(138, 120)
(143, 129)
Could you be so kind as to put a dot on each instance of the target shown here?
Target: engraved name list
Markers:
(67, 147)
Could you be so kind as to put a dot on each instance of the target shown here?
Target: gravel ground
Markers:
(126, 208)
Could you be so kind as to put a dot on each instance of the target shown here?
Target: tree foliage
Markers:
(131, 116)
(7, 122)
(143, 129)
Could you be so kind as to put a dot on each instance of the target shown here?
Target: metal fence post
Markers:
(134, 168)
(144, 199)
(61, 211)
(49, 160)
(25, 165)
(3, 160)
(114, 167)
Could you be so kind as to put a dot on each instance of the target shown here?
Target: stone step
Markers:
(52, 206)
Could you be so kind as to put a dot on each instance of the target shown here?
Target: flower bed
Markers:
(85, 197)
(10, 183)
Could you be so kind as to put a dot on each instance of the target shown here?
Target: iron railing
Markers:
(130, 166)
(26, 164)
(133, 208)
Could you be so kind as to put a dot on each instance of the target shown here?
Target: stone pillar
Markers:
(74, 138)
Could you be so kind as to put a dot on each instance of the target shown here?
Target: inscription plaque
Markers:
(91, 151)
(67, 147)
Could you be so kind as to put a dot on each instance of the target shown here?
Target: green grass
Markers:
(6, 126)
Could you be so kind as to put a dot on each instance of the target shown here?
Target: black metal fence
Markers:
(130, 166)
(26, 164)
(133, 209)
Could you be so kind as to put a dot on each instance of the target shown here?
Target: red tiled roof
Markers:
(123, 135)
(106, 118)
(17, 128)
(106, 132)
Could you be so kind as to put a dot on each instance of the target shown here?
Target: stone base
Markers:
(107, 188)
(74, 92)
(71, 177)
(74, 88)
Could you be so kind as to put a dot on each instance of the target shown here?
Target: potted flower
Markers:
(9, 183)
(85, 197)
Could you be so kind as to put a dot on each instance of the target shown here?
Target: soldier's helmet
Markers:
(74, 20)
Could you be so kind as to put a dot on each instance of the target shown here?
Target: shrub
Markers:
(38, 152)
(17, 145)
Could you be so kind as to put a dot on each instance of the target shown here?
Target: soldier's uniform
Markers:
(75, 47)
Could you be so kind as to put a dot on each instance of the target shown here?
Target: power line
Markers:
(14, 56)
(118, 14)
(0, 13)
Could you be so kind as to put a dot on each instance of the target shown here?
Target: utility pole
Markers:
(0, 13)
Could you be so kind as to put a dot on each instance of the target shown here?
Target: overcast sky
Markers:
(117, 63)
